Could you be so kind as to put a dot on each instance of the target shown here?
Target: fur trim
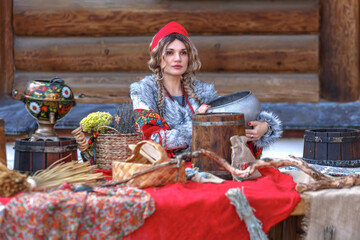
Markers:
(276, 126)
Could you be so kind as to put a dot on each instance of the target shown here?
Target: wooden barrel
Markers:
(212, 131)
(332, 147)
(32, 156)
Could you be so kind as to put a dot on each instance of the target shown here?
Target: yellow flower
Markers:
(95, 120)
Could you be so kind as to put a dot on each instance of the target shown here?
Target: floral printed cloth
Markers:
(150, 117)
(152, 123)
(99, 213)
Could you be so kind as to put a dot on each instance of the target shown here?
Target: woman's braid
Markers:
(187, 81)
(161, 92)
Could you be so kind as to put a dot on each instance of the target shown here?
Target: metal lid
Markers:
(48, 90)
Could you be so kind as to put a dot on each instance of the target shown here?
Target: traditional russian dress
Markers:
(173, 130)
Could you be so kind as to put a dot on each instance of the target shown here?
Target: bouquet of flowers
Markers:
(94, 121)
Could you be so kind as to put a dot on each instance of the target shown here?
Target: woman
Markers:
(165, 102)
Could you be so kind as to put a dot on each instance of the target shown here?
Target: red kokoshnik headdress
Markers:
(171, 27)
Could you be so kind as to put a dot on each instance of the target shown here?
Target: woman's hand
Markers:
(259, 129)
(203, 108)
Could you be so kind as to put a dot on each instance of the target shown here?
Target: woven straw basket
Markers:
(114, 147)
(143, 161)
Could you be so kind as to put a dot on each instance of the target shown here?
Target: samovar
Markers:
(47, 101)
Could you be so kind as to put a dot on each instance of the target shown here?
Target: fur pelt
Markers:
(275, 131)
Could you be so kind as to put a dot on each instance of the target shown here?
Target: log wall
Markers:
(2, 143)
(141, 17)
(6, 47)
(266, 40)
(99, 48)
(114, 87)
(340, 50)
(294, 53)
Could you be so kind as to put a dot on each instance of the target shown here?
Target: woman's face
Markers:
(176, 59)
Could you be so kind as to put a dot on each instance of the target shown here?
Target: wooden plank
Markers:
(285, 53)
(87, 87)
(321, 149)
(292, 228)
(356, 148)
(339, 41)
(2, 143)
(6, 47)
(114, 18)
(334, 149)
(309, 146)
(17, 154)
(268, 87)
(348, 148)
(259, 53)
(276, 232)
(50, 158)
(114, 87)
(37, 159)
(302, 205)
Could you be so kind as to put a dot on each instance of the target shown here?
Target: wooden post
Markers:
(6, 47)
(2, 142)
(339, 50)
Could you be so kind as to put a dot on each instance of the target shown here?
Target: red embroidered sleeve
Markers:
(257, 152)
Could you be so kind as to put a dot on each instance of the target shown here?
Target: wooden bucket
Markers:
(332, 147)
(212, 131)
(32, 156)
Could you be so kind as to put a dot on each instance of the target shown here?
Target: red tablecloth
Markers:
(203, 211)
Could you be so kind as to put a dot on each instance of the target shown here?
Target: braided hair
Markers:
(194, 65)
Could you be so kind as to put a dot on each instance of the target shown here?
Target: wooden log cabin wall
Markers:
(99, 48)
(285, 51)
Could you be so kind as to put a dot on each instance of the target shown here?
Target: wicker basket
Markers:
(157, 175)
(114, 147)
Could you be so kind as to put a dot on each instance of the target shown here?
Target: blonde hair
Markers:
(194, 65)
